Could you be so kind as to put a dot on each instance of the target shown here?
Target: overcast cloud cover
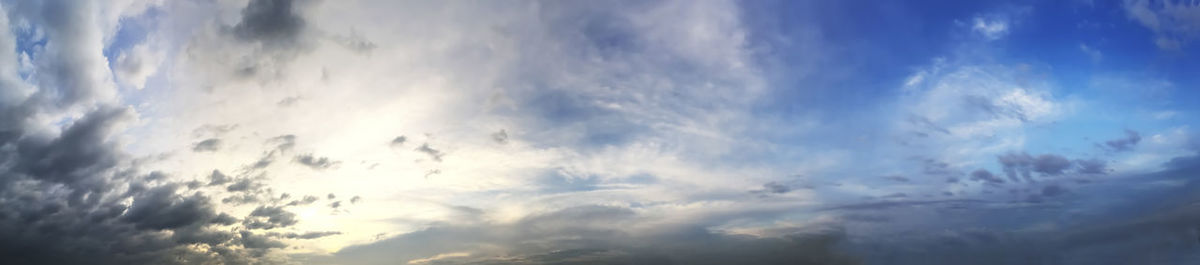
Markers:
(599, 132)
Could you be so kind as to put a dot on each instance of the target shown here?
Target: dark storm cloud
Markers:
(592, 235)
(272, 22)
(315, 163)
(208, 145)
(80, 153)
(433, 153)
(161, 208)
(1126, 143)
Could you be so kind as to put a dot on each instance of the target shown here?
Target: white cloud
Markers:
(992, 29)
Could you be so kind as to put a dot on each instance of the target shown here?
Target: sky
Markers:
(599, 132)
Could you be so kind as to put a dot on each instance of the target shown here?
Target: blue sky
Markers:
(599, 132)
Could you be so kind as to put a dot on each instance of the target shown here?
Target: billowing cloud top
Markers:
(590, 132)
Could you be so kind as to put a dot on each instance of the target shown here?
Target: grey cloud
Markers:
(399, 140)
(316, 163)
(283, 143)
(217, 178)
(242, 199)
(593, 235)
(69, 195)
(209, 130)
(1092, 166)
(288, 101)
(253, 241)
(208, 145)
(937, 168)
(161, 208)
(896, 178)
(1126, 143)
(986, 176)
(773, 188)
(269, 217)
(272, 22)
(1051, 164)
(1053, 191)
(71, 69)
(79, 153)
(1174, 23)
(877, 205)
(306, 235)
(305, 201)
(500, 137)
(244, 185)
(1024, 165)
(1016, 165)
(927, 124)
(433, 153)
(355, 199)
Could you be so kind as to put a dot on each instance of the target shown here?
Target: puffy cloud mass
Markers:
(587, 132)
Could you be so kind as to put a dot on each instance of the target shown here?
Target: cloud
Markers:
(433, 153)
(305, 201)
(987, 176)
(272, 22)
(773, 188)
(161, 208)
(500, 137)
(1126, 143)
(269, 217)
(134, 66)
(1092, 166)
(217, 178)
(1024, 165)
(315, 163)
(208, 145)
(990, 28)
(1174, 23)
(593, 235)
